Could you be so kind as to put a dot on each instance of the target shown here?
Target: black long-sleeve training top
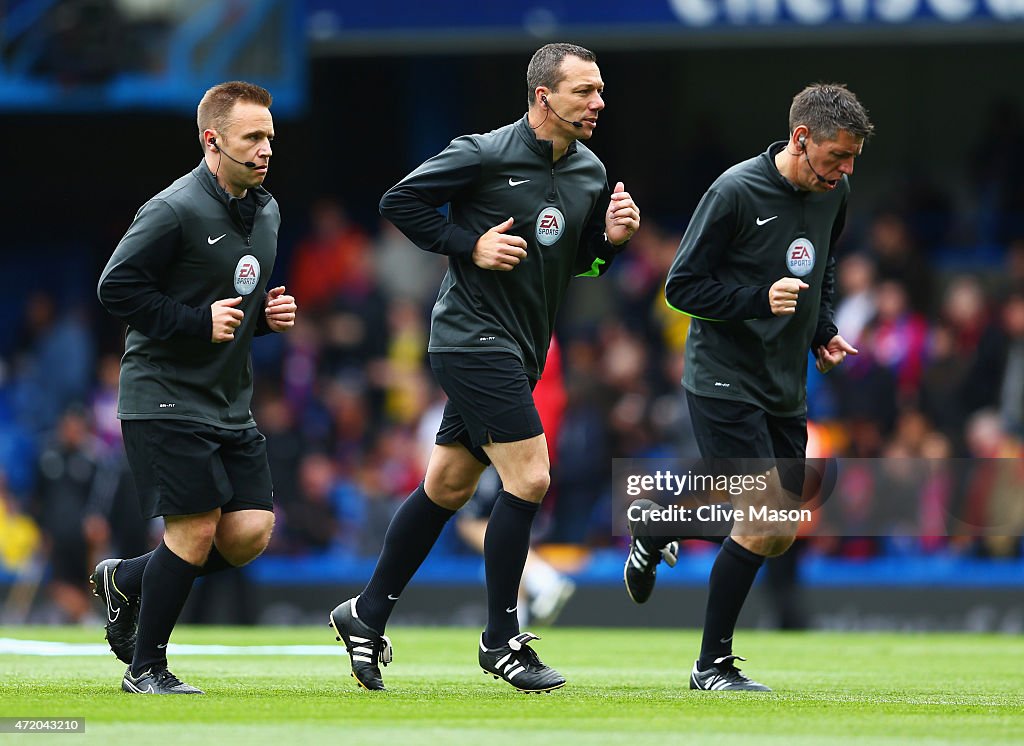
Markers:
(751, 228)
(189, 246)
(558, 208)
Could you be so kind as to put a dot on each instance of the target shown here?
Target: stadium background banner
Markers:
(351, 23)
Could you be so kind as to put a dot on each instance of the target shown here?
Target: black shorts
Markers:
(749, 438)
(182, 467)
(490, 400)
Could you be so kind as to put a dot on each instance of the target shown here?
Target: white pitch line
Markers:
(10, 646)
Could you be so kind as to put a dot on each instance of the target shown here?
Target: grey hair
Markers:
(826, 108)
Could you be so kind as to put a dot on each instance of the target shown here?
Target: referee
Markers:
(756, 272)
(189, 279)
(529, 208)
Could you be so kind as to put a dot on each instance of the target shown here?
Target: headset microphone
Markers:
(803, 144)
(577, 125)
(247, 164)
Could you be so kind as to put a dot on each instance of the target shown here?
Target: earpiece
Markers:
(802, 140)
(544, 99)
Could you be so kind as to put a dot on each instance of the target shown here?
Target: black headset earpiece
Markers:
(544, 99)
(802, 140)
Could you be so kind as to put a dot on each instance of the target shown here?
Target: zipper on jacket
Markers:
(552, 196)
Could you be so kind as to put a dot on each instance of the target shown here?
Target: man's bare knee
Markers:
(452, 476)
(450, 495)
(241, 540)
(191, 536)
(533, 485)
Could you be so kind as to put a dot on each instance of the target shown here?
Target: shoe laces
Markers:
(727, 669)
(165, 678)
(385, 651)
(521, 650)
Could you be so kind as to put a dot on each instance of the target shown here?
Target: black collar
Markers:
(205, 177)
(540, 147)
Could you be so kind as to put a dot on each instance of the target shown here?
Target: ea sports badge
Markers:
(800, 257)
(247, 274)
(550, 224)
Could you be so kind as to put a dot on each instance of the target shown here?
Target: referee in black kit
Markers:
(529, 209)
(189, 278)
(756, 272)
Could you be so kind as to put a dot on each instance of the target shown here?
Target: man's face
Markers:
(246, 137)
(578, 97)
(831, 159)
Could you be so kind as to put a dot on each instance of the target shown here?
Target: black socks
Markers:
(165, 587)
(505, 548)
(409, 539)
(128, 576)
(732, 575)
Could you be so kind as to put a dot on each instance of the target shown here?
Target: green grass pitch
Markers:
(625, 686)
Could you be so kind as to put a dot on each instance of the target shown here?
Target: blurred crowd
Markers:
(349, 407)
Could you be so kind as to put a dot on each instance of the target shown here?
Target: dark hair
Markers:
(545, 67)
(215, 108)
(826, 108)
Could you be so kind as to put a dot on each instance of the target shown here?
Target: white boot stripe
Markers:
(362, 659)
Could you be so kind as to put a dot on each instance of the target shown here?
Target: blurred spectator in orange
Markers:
(326, 263)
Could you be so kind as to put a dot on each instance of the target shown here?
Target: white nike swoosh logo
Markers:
(516, 183)
(392, 598)
(162, 646)
(766, 220)
(512, 610)
(211, 240)
(106, 592)
(726, 639)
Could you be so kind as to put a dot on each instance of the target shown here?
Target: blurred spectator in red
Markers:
(965, 309)
(898, 339)
(327, 262)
